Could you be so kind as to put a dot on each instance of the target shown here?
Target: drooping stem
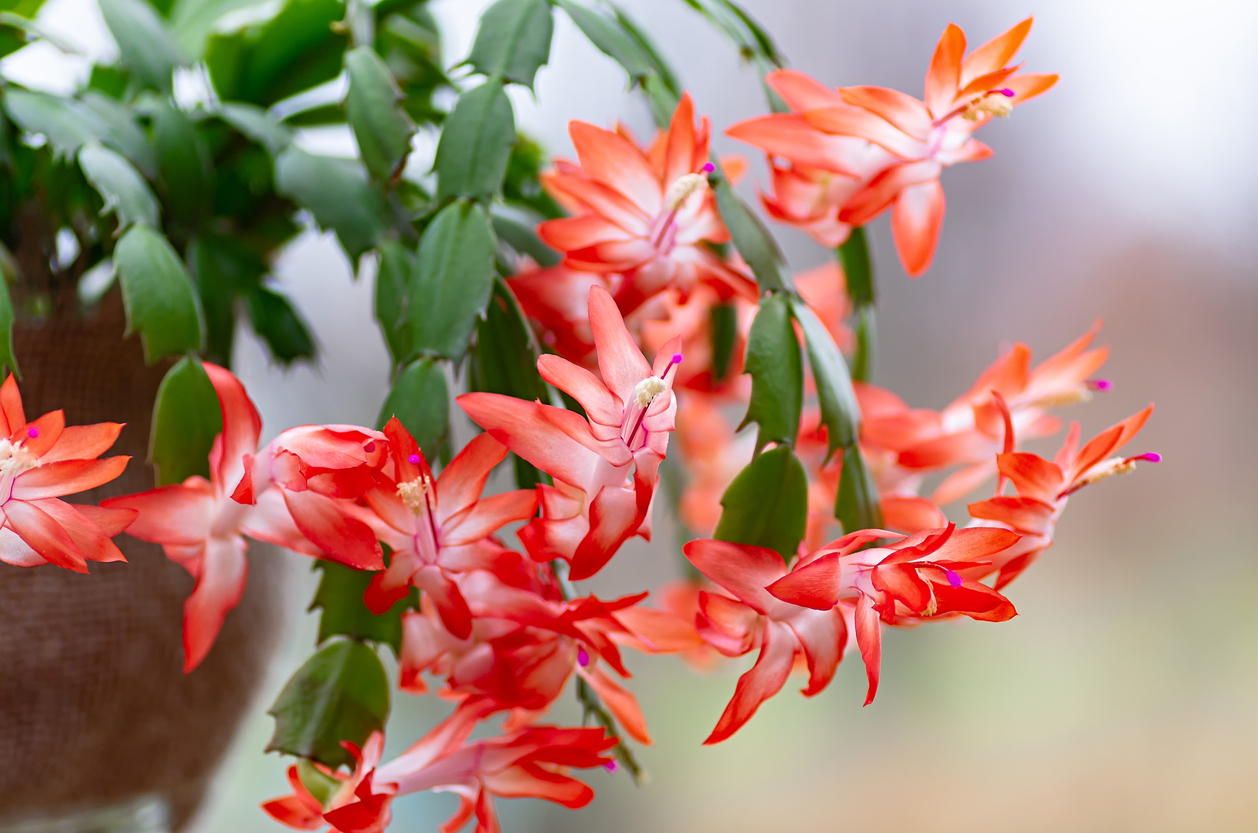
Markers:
(591, 705)
(859, 273)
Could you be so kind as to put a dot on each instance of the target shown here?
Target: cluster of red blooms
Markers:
(503, 628)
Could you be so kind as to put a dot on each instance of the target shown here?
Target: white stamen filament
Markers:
(681, 190)
(14, 459)
(644, 392)
(414, 494)
(997, 105)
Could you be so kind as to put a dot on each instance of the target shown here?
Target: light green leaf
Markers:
(121, 187)
(122, 131)
(64, 122)
(339, 694)
(158, 294)
(767, 504)
(336, 192)
(858, 273)
(777, 374)
(454, 276)
(31, 30)
(420, 399)
(382, 128)
(839, 410)
(513, 40)
(475, 144)
(147, 47)
(186, 419)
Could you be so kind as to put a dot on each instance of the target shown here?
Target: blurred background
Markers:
(1125, 695)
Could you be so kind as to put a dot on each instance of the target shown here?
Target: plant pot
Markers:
(94, 707)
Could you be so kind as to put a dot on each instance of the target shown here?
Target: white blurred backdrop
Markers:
(1125, 695)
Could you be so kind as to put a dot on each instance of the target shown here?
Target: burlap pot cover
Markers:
(94, 707)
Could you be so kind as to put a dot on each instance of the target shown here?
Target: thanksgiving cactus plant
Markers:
(604, 320)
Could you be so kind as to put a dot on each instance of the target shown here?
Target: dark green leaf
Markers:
(339, 694)
(8, 364)
(420, 399)
(337, 193)
(476, 144)
(160, 300)
(858, 273)
(147, 47)
(454, 276)
(121, 187)
(767, 504)
(258, 125)
(664, 74)
(193, 21)
(504, 359)
(66, 123)
(382, 128)
(513, 40)
(839, 411)
(279, 325)
(397, 264)
(265, 61)
(342, 612)
(750, 237)
(723, 319)
(109, 80)
(122, 132)
(857, 503)
(184, 163)
(224, 268)
(186, 419)
(777, 374)
(748, 35)
(524, 240)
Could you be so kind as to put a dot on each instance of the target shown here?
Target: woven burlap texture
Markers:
(94, 707)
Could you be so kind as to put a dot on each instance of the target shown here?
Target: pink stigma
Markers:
(32, 432)
(677, 358)
(1151, 457)
(413, 459)
(708, 167)
(582, 657)
(1100, 384)
(1006, 92)
(953, 578)
(611, 766)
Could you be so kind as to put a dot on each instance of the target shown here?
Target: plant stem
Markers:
(859, 273)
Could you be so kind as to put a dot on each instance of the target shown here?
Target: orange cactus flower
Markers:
(902, 143)
(41, 462)
(643, 216)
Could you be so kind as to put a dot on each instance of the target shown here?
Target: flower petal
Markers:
(66, 477)
(994, 54)
(800, 91)
(44, 535)
(764, 680)
(614, 160)
(916, 219)
(943, 79)
(220, 583)
(180, 514)
(742, 569)
(83, 442)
